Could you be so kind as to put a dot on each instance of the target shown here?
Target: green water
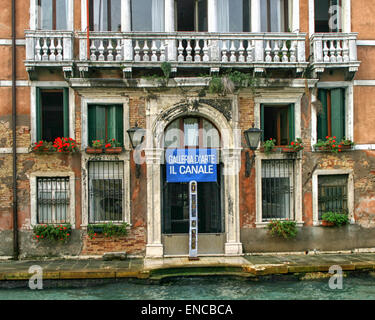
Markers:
(358, 287)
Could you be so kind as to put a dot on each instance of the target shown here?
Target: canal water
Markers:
(213, 288)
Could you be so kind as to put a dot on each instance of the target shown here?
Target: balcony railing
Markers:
(271, 50)
(334, 50)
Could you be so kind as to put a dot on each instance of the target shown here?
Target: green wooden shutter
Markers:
(96, 123)
(338, 113)
(115, 123)
(262, 120)
(322, 124)
(291, 123)
(111, 122)
(119, 125)
(66, 112)
(38, 115)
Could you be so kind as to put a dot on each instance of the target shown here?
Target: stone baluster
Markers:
(339, 51)
(267, 50)
(325, 52)
(249, 51)
(59, 50)
(293, 49)
(232, 52)
(154, 50)
(206, 57)
(45, 50)
(137, 50)
(332, 51)
(38, 49)
(146, 51)
(189, 57)
(345, 51)
(118, 50)
(93, 51)
(162, 51)
(52, 50)
(197, 49)
(110, 50)
(101, 50)
(241, 51)
(276, 51)
(224, 50)
(284, 50)
(180, 51)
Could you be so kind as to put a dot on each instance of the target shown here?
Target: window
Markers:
(105, 15)
(277, 189)
(53, 14)
(106, 191)
(52, 113)
(105, 123)
(148, 15)
(331, 116)
(191, 15)
(332, 194)
(53, 200)
(277, 123)
(327, 16)
(274, 15)
(234, 15)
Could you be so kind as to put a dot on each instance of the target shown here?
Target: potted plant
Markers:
(284, 229)
(113, 146)
(59, 232)
(330, 219)
(269, 146)
(346, 144)
(42, 146)
(295, 146)
(330, 144)
(107, 229)
(66, 145)
(97, 147)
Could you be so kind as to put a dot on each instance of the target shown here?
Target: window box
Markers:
(92, 150)
(288, 150)
(113, 150)
(326, 223)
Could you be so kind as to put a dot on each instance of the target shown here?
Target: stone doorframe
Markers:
(157, 119)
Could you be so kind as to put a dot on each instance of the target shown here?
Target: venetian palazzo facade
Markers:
(92, 69)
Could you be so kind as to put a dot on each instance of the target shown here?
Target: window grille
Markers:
(277, 189)
(332, 194)
(53, 196)
(106, 191)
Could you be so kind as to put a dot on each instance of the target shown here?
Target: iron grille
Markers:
(332, 194)
(106, 191)
(52, 199)
(277, 189)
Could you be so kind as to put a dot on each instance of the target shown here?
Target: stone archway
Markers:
(157, 121)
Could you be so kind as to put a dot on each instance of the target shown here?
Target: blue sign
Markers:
(185, 165)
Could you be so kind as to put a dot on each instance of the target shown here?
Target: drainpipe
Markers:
(14, 126)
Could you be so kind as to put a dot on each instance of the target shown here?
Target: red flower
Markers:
(108, 145)
(292, 143)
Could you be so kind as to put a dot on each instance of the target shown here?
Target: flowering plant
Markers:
(59, 232)
(330, 144)
(42, 146)
(112, 144)
(296, 145)
(347, 142)
(65, 145)
(269, 145)
(107, 229)
(97, 144)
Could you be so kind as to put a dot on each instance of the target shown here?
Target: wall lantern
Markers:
(252, 137)
(136, 136)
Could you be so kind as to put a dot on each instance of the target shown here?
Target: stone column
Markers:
(295, 25)
(255, 16)
(232, 163)
(126, 27)
(154, 247)
(169, 16)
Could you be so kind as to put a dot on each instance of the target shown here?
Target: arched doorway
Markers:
(191, 132)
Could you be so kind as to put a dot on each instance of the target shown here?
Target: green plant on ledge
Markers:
(108, 230)
(338, 219)
(60, 232)
(330, 144)
(285, 229)
(269, 146)
(296, 145)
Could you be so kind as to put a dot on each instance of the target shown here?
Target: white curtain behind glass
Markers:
(157, 15)
(46, 15)
(223, 15)
(276, 7)
(100, 11)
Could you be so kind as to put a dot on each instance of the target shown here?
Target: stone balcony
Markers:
(128, 51)
(334, 51)
(49, 49)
